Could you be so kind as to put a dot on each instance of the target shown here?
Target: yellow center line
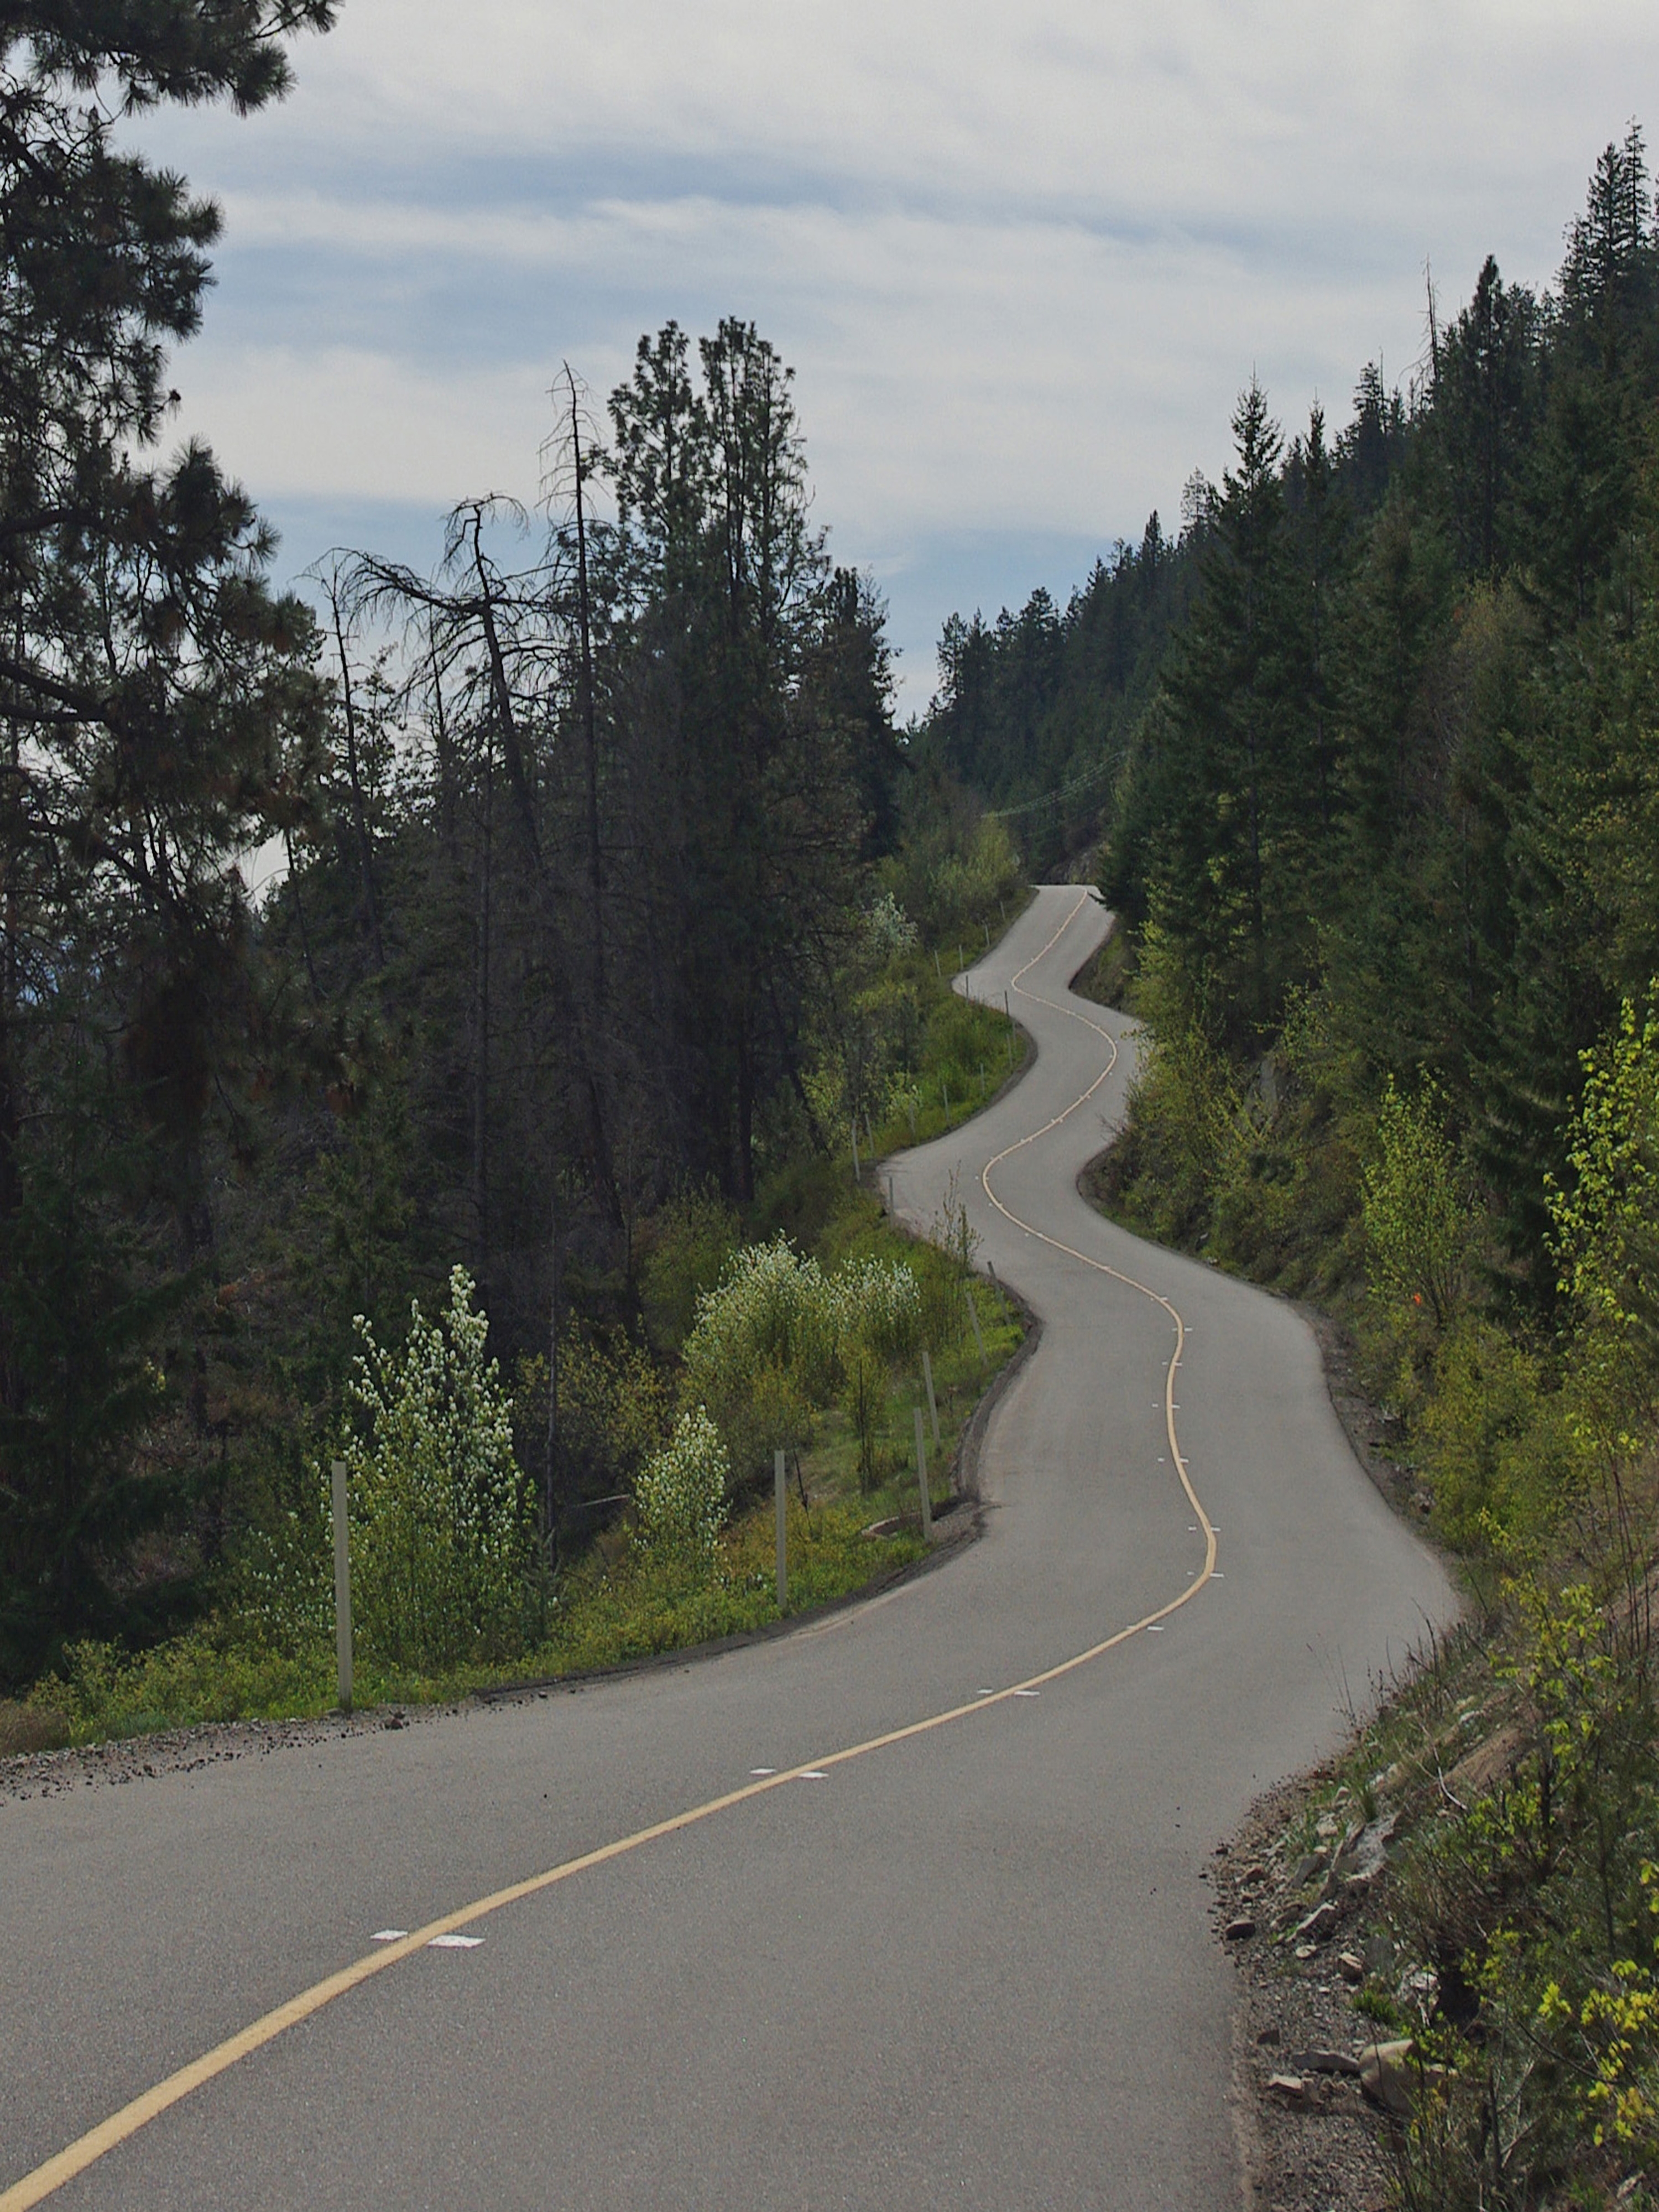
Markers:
(46, 2180)
(1100, 1266)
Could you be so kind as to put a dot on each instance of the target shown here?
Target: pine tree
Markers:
(160, 719)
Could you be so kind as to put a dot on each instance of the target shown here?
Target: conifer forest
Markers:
(444, 1010)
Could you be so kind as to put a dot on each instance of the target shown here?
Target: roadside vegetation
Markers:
(613, 911)
(1381, 844)
(797, 1323)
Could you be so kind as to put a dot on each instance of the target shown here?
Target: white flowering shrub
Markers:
(680, 1494)
(441, 1520)
(889, 930)
(777, 1338)
(771, 1308)
(877, 1309)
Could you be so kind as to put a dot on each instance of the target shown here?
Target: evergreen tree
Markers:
(160, 719)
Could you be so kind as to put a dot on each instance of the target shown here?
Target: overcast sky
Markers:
(1021, 256)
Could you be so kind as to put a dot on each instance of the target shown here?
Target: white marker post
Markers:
(932, 1402)
(342, 1585)
(781, 1490)
(973, 1315)
(921, 1478)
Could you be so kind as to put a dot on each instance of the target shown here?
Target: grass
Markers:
(965, 1051)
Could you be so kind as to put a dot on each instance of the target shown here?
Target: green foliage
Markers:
(1185, 1107)
(681, 1495)
(1494, 1444)
(615, 1407)
(1605, 1216)
(1535, 1902)
(209, 1673)
(1416, 1208)
(774, 1340)
(772, 1308)
(441, 1525)
(692, 1240)
(82, 1330)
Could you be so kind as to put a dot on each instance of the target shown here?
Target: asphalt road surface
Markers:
(969, 1967)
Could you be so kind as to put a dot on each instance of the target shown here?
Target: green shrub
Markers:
(1605, 1221)
(681, 1495)
(442, 1536)
(691, 1239)
(1416, 1209)
(616, 1408)
(771, 1308)
(1494, 1444)
(213, 1673)
(878, 1310)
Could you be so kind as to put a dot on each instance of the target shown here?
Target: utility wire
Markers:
(1051, 798)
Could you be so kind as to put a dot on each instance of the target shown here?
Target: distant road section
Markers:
(904, 1910)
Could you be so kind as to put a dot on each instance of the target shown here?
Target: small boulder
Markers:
(1237, 1932)
(1292, 2087)
(1351, 1966)
(1319, 1925)
(1392, 2077)
(1325, 2062)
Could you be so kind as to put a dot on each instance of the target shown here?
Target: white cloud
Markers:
(1022, 259)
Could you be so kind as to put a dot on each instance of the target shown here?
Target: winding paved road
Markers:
(953, 1951)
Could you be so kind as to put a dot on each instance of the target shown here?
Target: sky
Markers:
(1021, 257)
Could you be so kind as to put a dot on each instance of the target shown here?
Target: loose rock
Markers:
(1319, 1925)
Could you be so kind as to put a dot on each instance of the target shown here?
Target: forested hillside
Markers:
(1382, 834)
(601, 928)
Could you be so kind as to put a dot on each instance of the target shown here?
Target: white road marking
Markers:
(1154, 1628)
(1028, 1693)
(814, 1774)
(454, 1943)
(757, 1771)
(388, 1935)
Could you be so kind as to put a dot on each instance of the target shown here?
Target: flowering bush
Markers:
(771, 1308)
(680, 1494)
(441, 1526)
(877, 1307)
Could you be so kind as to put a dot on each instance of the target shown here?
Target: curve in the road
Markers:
(46, 2180)
(1087, 1260)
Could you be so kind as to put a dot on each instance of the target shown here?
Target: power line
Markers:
(1052, 798)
